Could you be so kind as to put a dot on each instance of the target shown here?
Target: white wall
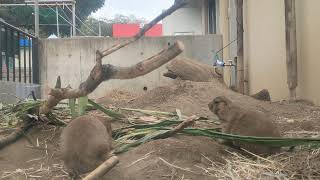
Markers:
(187, 20)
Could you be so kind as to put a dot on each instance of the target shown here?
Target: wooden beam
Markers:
(240, 53)
(291, 47)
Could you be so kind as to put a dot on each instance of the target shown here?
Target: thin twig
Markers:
(138, 160)
(177, 167)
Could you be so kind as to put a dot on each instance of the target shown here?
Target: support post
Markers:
(99, 28)
(74, 31)
(291, 48)
(240, 54)
(36, 17)
(57, 17)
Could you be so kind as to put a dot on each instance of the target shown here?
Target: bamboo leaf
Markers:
(149, 112)
(82, 105)
(72, 105)
(105, 110)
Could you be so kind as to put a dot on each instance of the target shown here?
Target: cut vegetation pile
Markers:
(181, 156)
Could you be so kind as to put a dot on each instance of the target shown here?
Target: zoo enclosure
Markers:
(19, 55)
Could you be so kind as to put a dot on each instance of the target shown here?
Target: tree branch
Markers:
(105, 72)
(146, 27)
(14, 136)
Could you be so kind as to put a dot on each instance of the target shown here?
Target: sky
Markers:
(147, 9)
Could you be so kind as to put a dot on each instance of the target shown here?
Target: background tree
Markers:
(91, 25)
(22, 16)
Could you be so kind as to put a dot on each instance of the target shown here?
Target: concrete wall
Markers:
(12, 92)
(73, 59)
(187, 20)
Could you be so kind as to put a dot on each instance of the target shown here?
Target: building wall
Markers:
(72, 59)
(186, 20)
(308, 37)
(265, 48)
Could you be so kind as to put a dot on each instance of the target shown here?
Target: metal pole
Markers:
(74, 19)
(99, 28)
(57, 17)
(36, 17)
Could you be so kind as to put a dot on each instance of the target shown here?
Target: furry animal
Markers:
(238, 121)
(85, 143)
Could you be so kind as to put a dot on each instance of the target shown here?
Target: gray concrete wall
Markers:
(12, 92)
(73, 59)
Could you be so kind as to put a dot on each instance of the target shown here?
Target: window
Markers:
(212, 16)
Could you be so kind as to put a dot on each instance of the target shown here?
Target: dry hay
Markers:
(297, 165)
(55, 171)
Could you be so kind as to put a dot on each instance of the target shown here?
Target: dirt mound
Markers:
(117, 95)
(192, 98)
(155, 160)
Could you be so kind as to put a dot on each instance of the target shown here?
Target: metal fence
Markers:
(18, 55)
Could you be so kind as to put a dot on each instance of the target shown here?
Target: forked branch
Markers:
(104, 72)
(147, 27)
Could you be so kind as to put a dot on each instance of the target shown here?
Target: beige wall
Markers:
(224, 30)
(264, 46)
(308, 36)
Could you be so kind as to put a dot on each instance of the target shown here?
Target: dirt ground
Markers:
(36, 156)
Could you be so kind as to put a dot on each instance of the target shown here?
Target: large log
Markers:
(187, 69)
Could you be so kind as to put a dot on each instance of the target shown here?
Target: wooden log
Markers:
(240, 53)
(15, 135)
(187, 69)
(291, 48)
(103, 168)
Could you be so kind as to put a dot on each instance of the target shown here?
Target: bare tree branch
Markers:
(105, 72)
(146, 27)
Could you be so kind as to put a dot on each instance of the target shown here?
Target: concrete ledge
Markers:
(10, 92)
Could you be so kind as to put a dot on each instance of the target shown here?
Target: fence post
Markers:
(1, 41)
(35, 61)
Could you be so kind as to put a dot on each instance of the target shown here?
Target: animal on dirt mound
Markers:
(86, 143)
(238, 121)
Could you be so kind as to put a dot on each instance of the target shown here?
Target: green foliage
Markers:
(105, 110)
(83, 102)
(135, 135)
(80, 109)
(91, 27)
(72, 105)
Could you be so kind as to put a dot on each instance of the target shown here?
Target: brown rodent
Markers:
(237, 121)
(85, 143)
